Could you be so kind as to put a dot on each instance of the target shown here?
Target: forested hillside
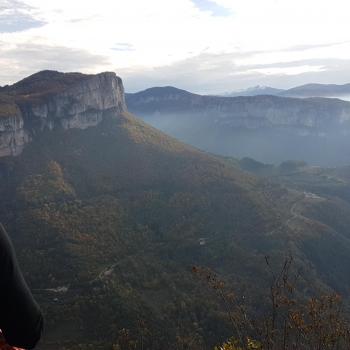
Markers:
(109, 221)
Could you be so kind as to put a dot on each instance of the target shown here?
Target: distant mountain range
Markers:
(319, 90)
(266, 127)
(303, 91)
(246, 112)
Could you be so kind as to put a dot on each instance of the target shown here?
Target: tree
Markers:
(288, 322)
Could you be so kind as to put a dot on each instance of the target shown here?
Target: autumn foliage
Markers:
(287, 322)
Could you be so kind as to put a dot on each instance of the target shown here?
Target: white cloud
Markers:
(137, 36)
(288, 70)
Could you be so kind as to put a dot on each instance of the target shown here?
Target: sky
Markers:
(205, 46)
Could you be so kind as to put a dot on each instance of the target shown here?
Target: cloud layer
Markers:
(16, 16)
(202, 45)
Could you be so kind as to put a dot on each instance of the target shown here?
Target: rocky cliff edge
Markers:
(50, 99)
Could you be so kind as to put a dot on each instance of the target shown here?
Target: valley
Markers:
(270, 129)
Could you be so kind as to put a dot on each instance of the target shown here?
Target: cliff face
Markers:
(314, 115)
(13, 136)
(49, 100)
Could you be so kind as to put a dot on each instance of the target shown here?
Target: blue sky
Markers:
(207, 46)
(212, 7)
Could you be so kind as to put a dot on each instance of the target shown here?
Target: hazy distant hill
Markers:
(303, 91)
(319, 90)
(108, 216)
(268, 128)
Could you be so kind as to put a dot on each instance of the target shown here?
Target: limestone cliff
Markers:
(49, 99)
(310, 116)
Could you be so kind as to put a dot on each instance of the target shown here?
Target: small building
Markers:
(202, 241)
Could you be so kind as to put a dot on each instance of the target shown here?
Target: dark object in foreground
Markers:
(21, 320)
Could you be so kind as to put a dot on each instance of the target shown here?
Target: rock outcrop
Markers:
(309, 116)
(49, 99)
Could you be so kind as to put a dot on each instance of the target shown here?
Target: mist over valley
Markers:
(268, 128)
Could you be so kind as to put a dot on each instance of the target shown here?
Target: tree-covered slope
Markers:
(109, 220)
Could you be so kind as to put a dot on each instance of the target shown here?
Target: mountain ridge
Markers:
(318, 90)
(308, 90)
(50, 99)
(239, 108)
